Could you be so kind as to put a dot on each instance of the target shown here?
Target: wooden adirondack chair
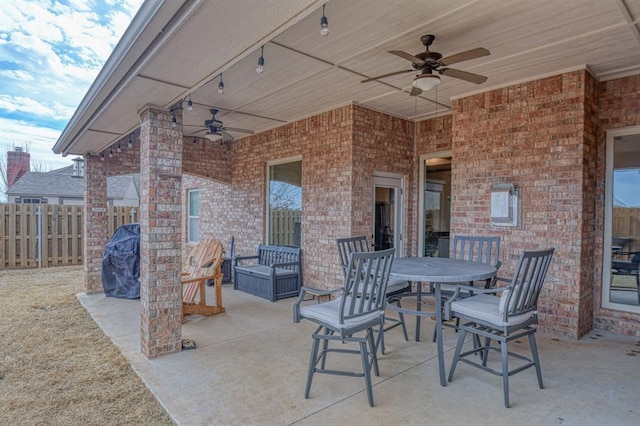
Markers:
(204, 263)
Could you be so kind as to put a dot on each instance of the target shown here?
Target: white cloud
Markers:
(50, 53)
(16, 75)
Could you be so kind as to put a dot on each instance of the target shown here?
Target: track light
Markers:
(174, 120)
(110, 152)
(129, 143)
(260, 66)
(324, 24)
(119, 150)
(221, 84)
(102, 156)
(189, 104)
(87, 155)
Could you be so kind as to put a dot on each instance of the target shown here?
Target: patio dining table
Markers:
(435, 270)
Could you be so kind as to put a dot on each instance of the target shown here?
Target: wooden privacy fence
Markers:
(626, 224)
(285, 227)
(59, 227)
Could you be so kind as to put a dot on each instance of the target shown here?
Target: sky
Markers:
(50, 53)
(626, 187)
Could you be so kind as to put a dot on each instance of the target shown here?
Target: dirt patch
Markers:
(56, 365)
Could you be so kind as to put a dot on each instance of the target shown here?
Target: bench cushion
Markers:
(265, 271)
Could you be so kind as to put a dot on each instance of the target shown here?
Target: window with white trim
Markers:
(284, 202)
(193, 221)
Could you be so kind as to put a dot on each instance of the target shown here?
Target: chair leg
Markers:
(366, 369)
(373, 347)
(456, 355)
(536, 360)
(325, 345)
(381, 337)
(312, 363)
(484, 355)
(505, 372)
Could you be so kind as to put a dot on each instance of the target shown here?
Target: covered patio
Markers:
(239, 374)
(561, 77)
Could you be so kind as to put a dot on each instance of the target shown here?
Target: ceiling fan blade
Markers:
(464, 56)
(233, 129)
(463, 75)
(386, 75)
(405, 55)
(226, 136)
(415, 91)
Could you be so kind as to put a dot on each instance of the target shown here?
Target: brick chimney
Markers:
(18, 163)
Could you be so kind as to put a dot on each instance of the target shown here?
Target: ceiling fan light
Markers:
(213, 136)
(426, 82)
(260, 66)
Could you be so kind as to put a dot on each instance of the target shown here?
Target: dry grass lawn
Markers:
(56, 365)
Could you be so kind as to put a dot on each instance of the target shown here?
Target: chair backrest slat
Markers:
(479, 249)
(527, 282)
(346, 246)
(366, 278)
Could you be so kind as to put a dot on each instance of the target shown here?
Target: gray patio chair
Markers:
(626, 267)
(478, 249)
(511, 316)
(350, 318)
(360, 244)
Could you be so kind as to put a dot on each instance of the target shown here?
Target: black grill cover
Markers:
(121, 263)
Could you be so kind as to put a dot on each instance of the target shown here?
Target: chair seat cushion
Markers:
(329, 313)
(265, 271)
(485, 307)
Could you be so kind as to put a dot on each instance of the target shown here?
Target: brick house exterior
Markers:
(546, 136)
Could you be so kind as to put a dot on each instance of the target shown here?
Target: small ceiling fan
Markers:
(216, 131)
(429, 63)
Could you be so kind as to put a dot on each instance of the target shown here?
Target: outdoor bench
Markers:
(274, 273)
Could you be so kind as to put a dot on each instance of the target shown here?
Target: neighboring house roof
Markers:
(61, 183)
(117, 185)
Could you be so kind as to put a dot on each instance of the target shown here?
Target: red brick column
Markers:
(160, 232)
(96, 232)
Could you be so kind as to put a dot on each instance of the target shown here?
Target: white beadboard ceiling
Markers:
(178, 48)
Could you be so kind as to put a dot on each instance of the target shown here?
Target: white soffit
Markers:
(306, 74)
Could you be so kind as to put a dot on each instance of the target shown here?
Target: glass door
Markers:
(387, 213)
(621, 282)
(435, 202)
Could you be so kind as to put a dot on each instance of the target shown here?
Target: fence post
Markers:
(39, 234)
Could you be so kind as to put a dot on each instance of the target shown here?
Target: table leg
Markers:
(418, 308)
(439, 336)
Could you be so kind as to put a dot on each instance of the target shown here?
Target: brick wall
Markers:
(324, 143)
(618, 106)
(97, 169)
(208, 159)
(533, 135)
(381, 143)
(216, 204)
(337, 191)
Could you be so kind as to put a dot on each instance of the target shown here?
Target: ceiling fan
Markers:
(429, 63)
(216, 131)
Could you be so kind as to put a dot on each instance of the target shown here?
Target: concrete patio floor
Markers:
(250, 365)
